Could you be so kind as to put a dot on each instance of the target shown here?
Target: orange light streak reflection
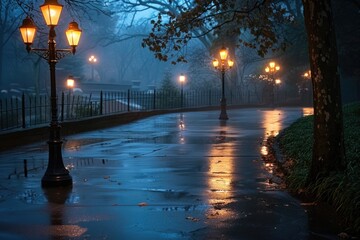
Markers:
(264, 150)
(220, 176)
(272, 123)
(308, 111)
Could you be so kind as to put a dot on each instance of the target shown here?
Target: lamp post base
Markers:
(223, 114)
(57, 180)
(56, 174)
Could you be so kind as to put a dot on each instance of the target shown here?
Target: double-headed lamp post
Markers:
(182, 79)
(56, 174)
(271, 69)
(223, 65)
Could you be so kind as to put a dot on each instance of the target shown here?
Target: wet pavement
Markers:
(174, 176)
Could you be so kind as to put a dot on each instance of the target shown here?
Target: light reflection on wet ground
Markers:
(176, 176)
(308, 111)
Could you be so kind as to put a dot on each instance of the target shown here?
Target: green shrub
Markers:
(339, 189)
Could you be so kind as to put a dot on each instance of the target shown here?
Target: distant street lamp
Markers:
(271, 69)
(182, 79)
(225, 64)
(307, 74)
(70, 83)
(303, 88)
(92, 61)
(277, 85)
(56, 174)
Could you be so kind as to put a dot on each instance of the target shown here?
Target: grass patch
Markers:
(342, 190)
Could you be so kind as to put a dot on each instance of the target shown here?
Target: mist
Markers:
(114, 33)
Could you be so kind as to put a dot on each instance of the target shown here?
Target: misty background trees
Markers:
(114, 31)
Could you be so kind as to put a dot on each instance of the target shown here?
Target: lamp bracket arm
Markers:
(45, 53)
(61, 53)
(41, 52)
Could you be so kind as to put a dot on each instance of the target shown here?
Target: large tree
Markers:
(259, 18)
(328, 149)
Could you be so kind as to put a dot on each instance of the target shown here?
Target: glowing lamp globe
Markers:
(215, 63)
(28, 31)
(223, 53)
(73, 34)
(51, 11)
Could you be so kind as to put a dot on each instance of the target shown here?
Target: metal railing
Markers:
(29, 110)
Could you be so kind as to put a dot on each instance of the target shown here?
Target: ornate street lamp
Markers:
(182, 79)
(56, 174)
(92, 61)
(223, 65)
(271, 69)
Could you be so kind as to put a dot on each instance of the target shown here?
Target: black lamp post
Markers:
(182, 79)
(271, 69)
(56, 174)
(225, 64)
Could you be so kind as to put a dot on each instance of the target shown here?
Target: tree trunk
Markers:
(328, 148)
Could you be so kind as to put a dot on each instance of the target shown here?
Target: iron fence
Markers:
(29, 110)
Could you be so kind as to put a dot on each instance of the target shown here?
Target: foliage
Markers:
(169, 94)
(340, 188)
(171, 32)
(167, 83)
(201, 74)
(296, 142)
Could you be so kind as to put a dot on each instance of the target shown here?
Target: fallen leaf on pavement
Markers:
(142, 204)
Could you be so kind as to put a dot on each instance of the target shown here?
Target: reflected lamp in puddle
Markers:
(272, 123)
(307, 111)
(264, 150)
(57, 197)
(181, 128)
(220, 176)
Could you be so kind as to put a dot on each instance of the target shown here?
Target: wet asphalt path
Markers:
(175, 176)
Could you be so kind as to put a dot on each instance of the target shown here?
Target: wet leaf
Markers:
(193, 219)
(142, 204)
